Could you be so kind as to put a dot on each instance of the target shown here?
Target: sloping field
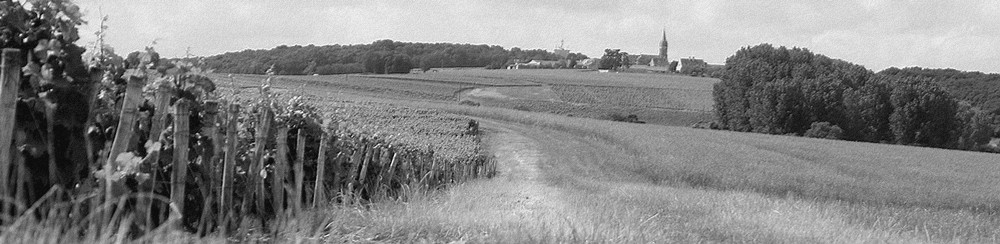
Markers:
(808, 167)
(637, 97)
(946, 194)
(655, 98)
(630, 182)
(589, 77)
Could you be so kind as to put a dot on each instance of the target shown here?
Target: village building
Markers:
(691, 65)
(658, 60)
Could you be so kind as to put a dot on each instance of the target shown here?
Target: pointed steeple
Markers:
(664, 45)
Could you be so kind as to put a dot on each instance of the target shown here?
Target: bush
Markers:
(468, 103)
(631, 118)
(824, 130)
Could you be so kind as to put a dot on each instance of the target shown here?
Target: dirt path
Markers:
(519, 161)
(519, 195)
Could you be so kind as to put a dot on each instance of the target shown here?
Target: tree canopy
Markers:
(614, 59)
(787, 91)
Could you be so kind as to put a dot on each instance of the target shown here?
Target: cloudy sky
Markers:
(962, 34)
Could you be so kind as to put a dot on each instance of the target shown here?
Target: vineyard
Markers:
(129, 147)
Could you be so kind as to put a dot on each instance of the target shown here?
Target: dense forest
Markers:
(384, 56)
(793, 91)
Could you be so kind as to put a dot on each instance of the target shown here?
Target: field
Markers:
(933, 194)
(572, 179)
(708, 185)
(654, 98)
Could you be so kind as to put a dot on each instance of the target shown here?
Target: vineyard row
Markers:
(212, 176)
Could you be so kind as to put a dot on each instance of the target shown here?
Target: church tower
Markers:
(663, 47)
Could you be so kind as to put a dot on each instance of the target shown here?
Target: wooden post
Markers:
(280, 171)
(209, 129)
(391, 173)
(162, 101)
(299, 170)
(356, 158)
(164, 93)
(406, 167)
(10, 73)
(208, 160)
(384, 162)
(126, 122)
(338, 170)
(260, 141)
(320, 170)
(364, 166)
(179, 177)
(229, 167)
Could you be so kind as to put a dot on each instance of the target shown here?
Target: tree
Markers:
(310, 69)
(614, 59)
(824, 130)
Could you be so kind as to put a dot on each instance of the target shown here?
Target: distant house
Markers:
(692, 66)
(590, 63)
(538, 64)
(545, 64)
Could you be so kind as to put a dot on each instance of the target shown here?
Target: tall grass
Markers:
(935, 193)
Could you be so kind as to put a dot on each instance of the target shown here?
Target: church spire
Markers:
(664, 45)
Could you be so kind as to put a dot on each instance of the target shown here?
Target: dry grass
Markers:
(911, 192)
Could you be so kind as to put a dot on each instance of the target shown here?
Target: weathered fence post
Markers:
(126, 124)
(127, 119)
(299, 170)
(229, 168)
(391, 173)
(383, 172)
(179, 177)
(364, 166)
(10, 73)
(256, 184)
(280, 171)
(209, 130)
(320, 170)
(356, 158)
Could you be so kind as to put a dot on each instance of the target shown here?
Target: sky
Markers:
(878, 34)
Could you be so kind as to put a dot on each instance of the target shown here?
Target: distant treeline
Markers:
(982, 90)
(793, 91)
(384, 56)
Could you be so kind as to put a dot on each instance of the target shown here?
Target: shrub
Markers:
(631, 118)
(468, 103)
(824, 130)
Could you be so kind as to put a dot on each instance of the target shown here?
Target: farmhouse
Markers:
(691, 66)
(590, 63)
